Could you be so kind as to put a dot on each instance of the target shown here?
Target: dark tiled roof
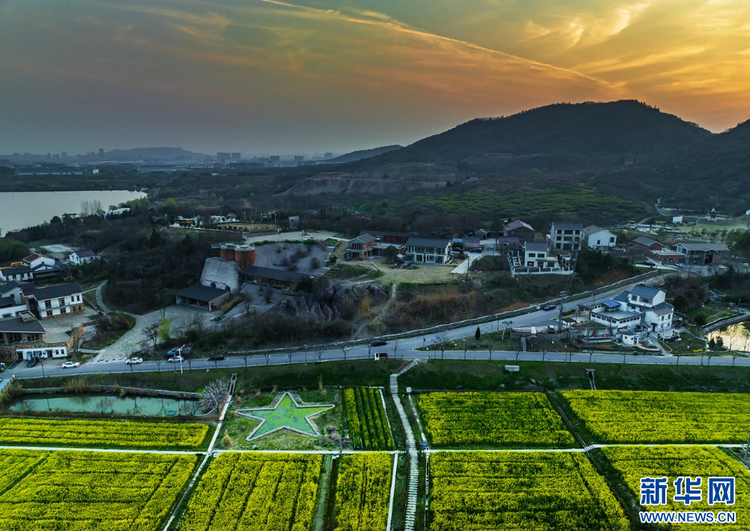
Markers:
(7, 302)
(15, 270)
(513, 225)
(535, 246)
(201, 293)
(84, 254)
(366, 238)
(16, 325)
(32, 257)
(9, 286)
(427, 242)
(274, 274)
(54, 292)
(567, 226)
(701, 246)
(644, 291)
(645, 241)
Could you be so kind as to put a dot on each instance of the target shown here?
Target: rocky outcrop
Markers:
(334, 300)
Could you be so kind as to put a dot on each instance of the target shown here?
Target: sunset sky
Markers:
(278, 76)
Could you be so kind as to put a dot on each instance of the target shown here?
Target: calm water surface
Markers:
(108, 405)
(19, 210)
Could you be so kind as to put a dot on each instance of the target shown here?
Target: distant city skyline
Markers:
(277, 76)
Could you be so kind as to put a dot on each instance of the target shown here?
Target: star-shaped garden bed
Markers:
(286, 413)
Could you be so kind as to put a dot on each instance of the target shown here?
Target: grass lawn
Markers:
(282, 377)
(490, 375)
(330, 423)
(424, 274)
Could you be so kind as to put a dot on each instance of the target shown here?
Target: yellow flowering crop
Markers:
(89, 491)
(248, 491)
(363, 491)
(492, 419)
(662, 417)
(520, 491)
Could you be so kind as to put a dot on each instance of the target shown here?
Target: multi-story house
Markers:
(598, 238)
(428, 250)
(55, 301)
(566, 236)
(642, 306)
(361, 247)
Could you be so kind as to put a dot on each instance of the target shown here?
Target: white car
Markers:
(134, 361)
(176, 359)
(70, 365)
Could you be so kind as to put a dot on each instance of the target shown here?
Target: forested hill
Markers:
(606, 131)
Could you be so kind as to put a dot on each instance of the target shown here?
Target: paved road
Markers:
(52, 368)
(402, 349)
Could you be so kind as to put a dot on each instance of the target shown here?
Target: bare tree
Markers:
(247, 302)
(158, 364)
(198, 322)
(215, 395)
(268, 357)
(345, 350)
(395, 348)
(152, 332)
(245, 357)
(319, 353)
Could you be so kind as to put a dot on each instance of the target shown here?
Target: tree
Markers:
(390, 252)
(477, 334)
(165, 328)
(319, 351)
(345, 350)
(268, 294)
(215, 395)
(152, 332)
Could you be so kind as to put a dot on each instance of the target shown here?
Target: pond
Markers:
(107, 405)
(734, 337)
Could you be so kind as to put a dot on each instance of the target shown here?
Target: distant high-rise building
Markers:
(275, 158)
(328, 155)
(56, 156)
(101, 153)
(236, 156)
(221, 155)
(299, 158)
(63, 154)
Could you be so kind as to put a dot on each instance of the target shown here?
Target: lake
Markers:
(19, 210)
(108, 405)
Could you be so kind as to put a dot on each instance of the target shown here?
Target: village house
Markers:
(204, 297)
(566, 236)
(361, 248)
(536, 258)
(598, 238)
(643, 306)
(428, 250)
(519, 229)
(54, 301)
(702, 254)
(17, 273)
(82, 257)
(21, 329)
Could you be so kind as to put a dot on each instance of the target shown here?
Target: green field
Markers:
(492, 420)
(520, 491)
(366, 419)
(89, 491)
(635, 462)
(656, 417)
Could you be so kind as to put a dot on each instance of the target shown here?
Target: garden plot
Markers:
(481, 420)
(363, 492)
(520, 491)
(89, 491)
(636, 462)
(662, 417)
(101, 433)
(263, 492)
(366, 418)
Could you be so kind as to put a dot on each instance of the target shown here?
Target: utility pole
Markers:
(559, 315)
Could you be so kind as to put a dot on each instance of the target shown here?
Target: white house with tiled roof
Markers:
(642, 306)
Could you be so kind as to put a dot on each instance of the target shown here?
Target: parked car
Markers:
(173, 352)
(32, 362)
(71, 365)
(134, 361)
(549, 307)
(475, 250)
(216, 357)
(2, 367)
(176, 359)
(378, 343)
